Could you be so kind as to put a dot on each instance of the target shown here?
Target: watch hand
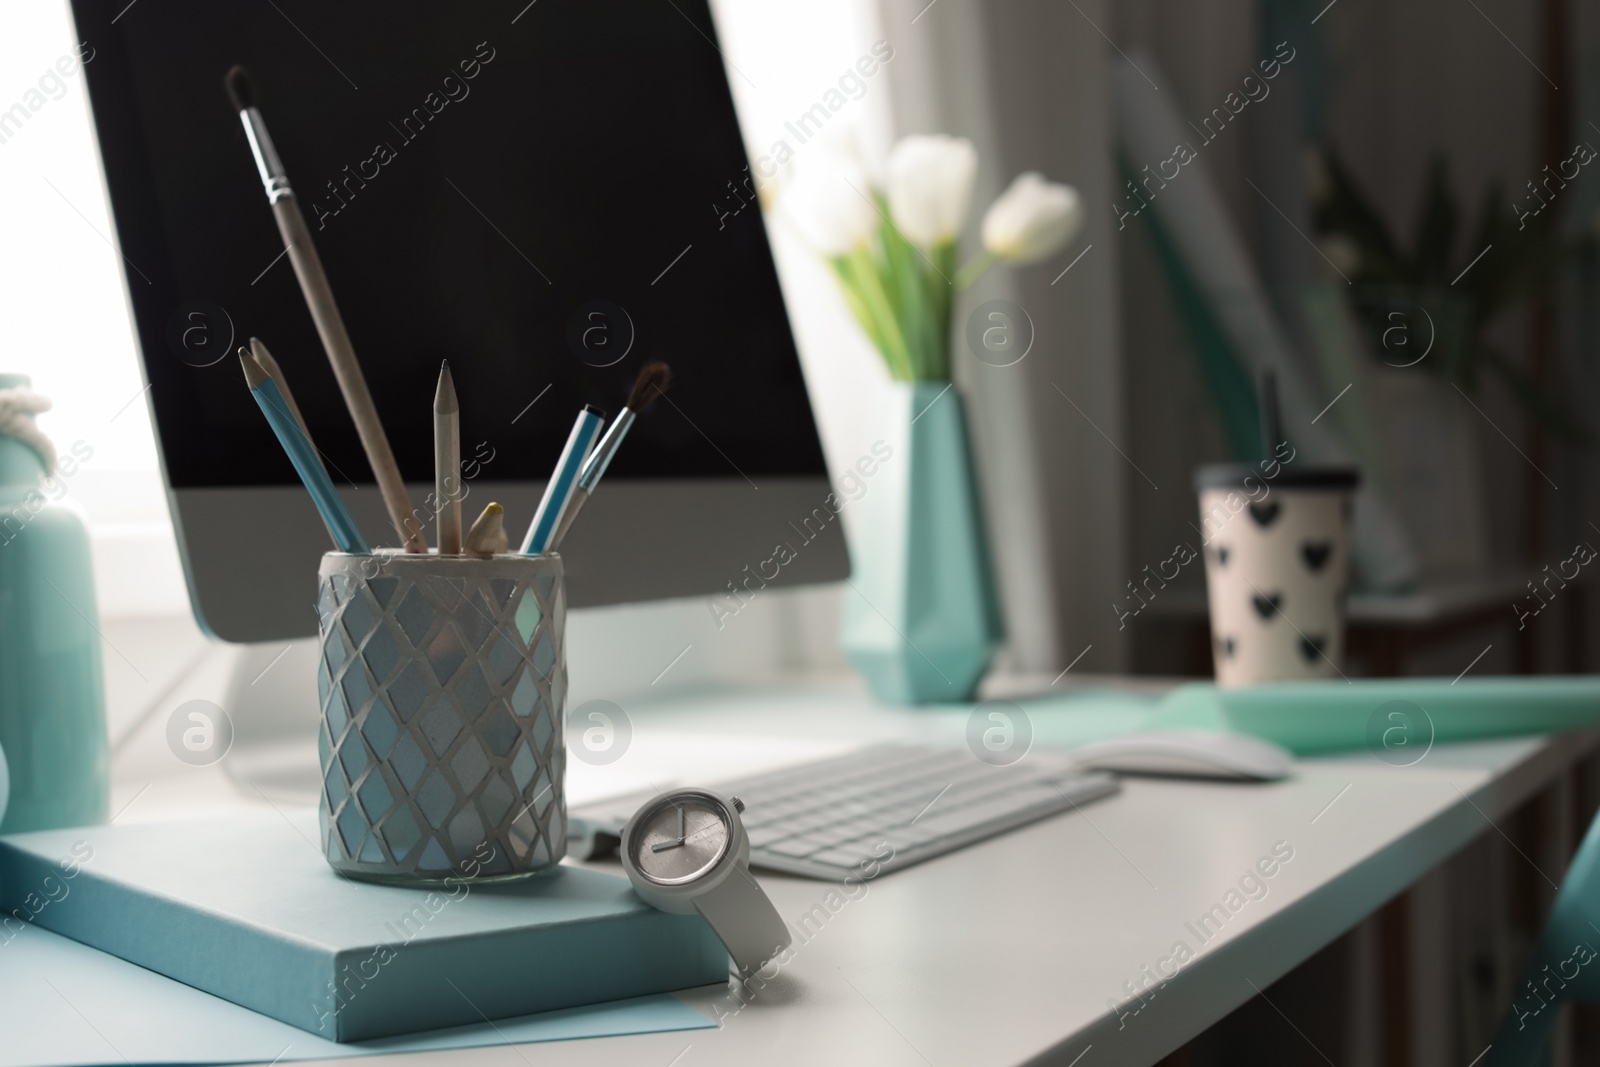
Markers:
(662, 846)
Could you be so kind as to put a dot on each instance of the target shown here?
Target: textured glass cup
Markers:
(442, 683)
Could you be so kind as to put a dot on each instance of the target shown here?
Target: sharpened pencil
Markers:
(447, 462)
(346, 534)
(258, 351)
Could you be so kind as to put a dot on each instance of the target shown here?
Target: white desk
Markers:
(1007, 952)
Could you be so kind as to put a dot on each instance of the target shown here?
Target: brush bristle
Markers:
(241, 88)
(654, 379)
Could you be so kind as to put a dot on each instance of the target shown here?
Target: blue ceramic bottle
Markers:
(52, 711)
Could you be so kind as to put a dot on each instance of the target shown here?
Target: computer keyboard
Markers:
(881, 808)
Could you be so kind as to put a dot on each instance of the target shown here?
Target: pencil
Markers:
(558, 492)
(447, 462)
(346, 534)
(324, 310)
(275, 372)
(258, 350)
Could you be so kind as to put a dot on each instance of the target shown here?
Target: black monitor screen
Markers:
(548, 195)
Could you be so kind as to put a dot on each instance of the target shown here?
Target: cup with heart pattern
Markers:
(1277, 550)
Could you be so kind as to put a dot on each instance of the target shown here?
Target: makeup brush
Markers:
(324, 311)
(447, 462)
(488, 535)
(652, 382)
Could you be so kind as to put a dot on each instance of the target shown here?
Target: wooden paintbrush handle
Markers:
(352, 383)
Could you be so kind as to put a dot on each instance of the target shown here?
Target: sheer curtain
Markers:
(64, 316)
(1026, 81)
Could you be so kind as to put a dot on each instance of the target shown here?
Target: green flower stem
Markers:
(858, 307)
(860, 274)
(941, 290)
(974, 268)
(903, 281)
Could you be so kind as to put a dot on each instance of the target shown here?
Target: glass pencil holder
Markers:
(442, 683)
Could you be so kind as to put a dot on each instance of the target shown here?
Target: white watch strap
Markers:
(744, 918)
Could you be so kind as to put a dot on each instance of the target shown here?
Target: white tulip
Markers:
(829, 202)
(1032, 220)
(930, 186)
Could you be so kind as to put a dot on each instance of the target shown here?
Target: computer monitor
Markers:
(547, 195)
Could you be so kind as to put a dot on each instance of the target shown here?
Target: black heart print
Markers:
(1222, 555)
(1227, 646)
(1311, 647)
(1265, 513)
(1267, 606)
(1316, 555)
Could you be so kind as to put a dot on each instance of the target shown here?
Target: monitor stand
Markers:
(272, 702)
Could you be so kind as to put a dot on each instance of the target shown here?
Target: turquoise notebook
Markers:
(246, 909)
(63, 1004)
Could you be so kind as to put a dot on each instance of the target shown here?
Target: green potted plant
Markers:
(1516, 262)
(1423, 315)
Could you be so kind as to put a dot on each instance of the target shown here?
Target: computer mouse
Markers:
(1189, 753)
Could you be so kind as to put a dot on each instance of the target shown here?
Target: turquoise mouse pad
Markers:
(1309, 718)
(63, 1004)
(1056, 720)
(1314, 717)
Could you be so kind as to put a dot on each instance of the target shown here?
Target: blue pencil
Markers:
(563, 480)
(307, 464)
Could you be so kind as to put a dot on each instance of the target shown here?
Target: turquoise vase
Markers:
(52, 712)
(921, 620)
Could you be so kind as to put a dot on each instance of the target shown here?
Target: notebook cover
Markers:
(246, 909)
(63, 1004)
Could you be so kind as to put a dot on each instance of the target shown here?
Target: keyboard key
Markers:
(798, 847)
(761, 837)
(842, 857)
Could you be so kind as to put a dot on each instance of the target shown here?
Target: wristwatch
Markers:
(687, 851)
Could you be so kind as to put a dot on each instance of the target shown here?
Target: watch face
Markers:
(681, 839)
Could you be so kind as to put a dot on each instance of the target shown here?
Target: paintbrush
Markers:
(324, 311)
(447, 462)
(488, 535)
(652, 382)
